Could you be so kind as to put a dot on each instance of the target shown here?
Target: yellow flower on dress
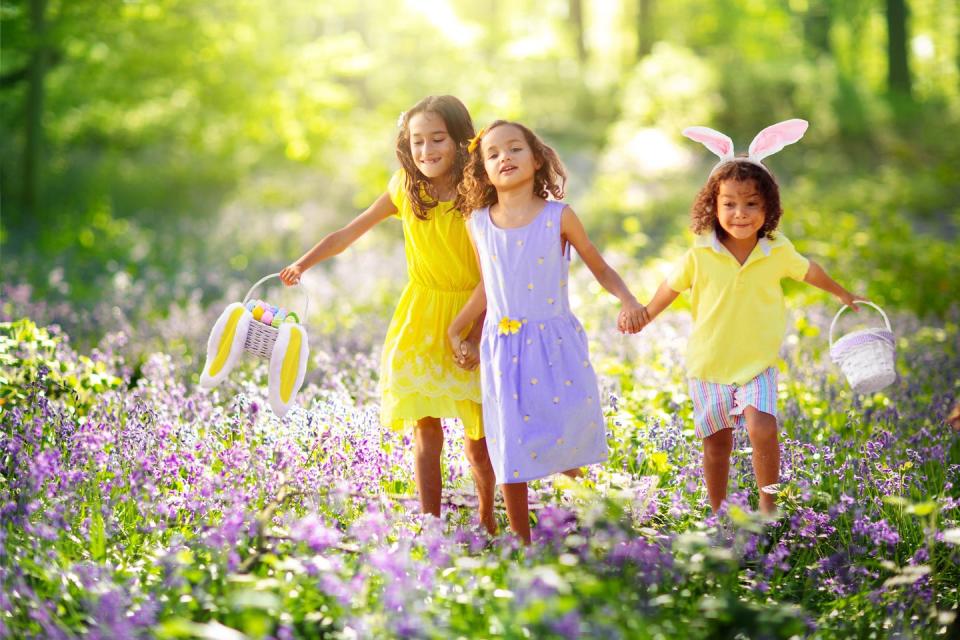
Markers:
(508, 326)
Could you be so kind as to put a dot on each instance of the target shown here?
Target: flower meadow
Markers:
(135, 506)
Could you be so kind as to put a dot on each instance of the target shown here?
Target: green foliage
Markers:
(171, 123)
(31, 355)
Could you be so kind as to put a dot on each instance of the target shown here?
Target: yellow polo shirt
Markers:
(739, 318)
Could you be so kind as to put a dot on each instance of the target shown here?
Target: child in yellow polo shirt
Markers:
(733, 272)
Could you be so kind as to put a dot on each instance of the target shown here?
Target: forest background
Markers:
(159, 156)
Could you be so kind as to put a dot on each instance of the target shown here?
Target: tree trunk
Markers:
(816, 27)
(898, 70)
(644, 28)
(33, 113)
(576, 21)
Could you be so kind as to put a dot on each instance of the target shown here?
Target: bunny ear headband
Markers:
(766, 143)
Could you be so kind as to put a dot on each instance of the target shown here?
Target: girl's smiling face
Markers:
(431, 145)
(507, 157)
(740, 208)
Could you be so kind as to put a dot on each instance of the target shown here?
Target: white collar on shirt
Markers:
(711, 240)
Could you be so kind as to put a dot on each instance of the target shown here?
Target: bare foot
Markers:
(490, 524)
(573, 473)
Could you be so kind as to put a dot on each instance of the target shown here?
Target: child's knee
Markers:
(429, 435)
(477, 454)
(719, 443)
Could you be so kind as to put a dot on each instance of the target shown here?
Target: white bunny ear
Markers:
(776, 137)
(225, 345)
(288, 366)
(717, 142)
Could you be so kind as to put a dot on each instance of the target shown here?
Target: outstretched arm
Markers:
(339, 240)
(819, 278)
(633, 315)
(662, 299)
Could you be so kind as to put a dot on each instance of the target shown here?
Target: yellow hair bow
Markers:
(475, 140)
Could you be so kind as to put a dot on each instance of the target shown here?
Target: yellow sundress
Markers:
(418, 377)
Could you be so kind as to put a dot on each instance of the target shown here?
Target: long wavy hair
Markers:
(475, 189)
(703, 214)
(455, 116)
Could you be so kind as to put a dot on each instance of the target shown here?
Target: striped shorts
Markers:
(720, 406)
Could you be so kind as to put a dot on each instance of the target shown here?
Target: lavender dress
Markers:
(541, 406)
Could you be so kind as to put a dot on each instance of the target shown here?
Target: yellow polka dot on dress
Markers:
(516, 474)
(533, 381)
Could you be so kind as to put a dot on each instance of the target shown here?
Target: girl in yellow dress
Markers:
(419, 382)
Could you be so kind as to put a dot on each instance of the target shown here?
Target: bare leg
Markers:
(484, 480)
(716, 465)
(573, 473)
(518, 510)
(762, 428)
(428, 447)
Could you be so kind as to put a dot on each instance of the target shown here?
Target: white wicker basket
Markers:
(260, 336)
(867, 356)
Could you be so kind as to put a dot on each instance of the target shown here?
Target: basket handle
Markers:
(306, 297)
(845, 307)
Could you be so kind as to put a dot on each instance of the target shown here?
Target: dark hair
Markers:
(460, 127)
(475, 189)
(703, 214)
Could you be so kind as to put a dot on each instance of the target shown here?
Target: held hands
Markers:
(633, 317)
(465, 353)
(291, 275)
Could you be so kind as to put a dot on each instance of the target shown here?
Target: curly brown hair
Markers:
(460, 127)
(475, 190)
(703, 214)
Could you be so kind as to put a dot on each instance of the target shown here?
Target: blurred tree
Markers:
(645, 30)
(36, 76)
(576, 22)
(816, 26)
(898, 70)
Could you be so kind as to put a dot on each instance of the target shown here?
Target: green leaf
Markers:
(98, 536)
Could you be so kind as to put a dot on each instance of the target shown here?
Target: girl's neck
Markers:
(443, 188)
(517, 202)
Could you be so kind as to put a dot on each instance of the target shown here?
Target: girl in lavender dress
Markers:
(541, 407)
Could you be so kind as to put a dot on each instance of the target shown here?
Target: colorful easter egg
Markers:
(280, 315)
(292, 317)
(250, 305)
(276, 323)
(267, 317)
(257, 312)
